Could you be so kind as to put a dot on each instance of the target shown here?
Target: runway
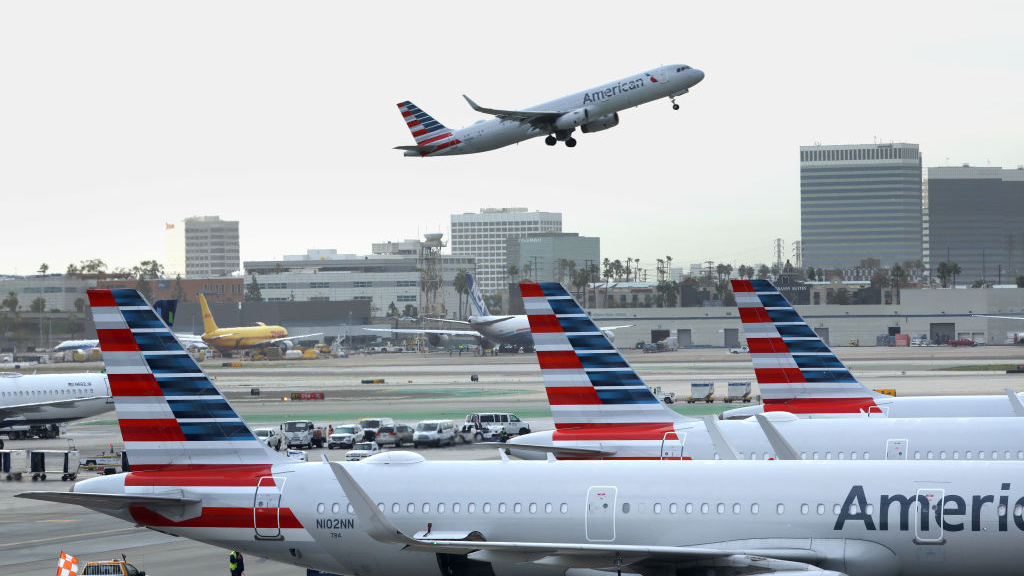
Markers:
(417, 386)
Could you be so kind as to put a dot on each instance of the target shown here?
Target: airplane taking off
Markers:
(602, 409)
(228, 340)
(509, 332)
(798, 373)
(592, 110)
(198, 471)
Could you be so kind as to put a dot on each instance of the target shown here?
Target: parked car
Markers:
(434, 433)
(487, 425)
(394, 435)
(271, 437)
(739, 350)
(344, 435)
(111, 568)
(962, 342)
(362, 450)
(370, 426)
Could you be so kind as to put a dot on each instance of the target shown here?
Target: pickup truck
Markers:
(111, 568)
(303, 434)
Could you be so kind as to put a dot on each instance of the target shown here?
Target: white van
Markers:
(434, 433)
(484, 425)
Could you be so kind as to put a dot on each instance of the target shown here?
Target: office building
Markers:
(976, 220)
(553, 256)
(860, 201)
(201, 247)
(483, 236)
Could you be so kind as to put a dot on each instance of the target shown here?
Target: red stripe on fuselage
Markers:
(823, 406)
(216, 517)
(779, 375)
(569, 395)
(117, 340)
(754, 315)
(611, 431)
(151, 430)
(133, 385)
(544, 323)
(558, 360)
(198, 475)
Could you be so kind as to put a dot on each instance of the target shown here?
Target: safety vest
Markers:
(233, 561)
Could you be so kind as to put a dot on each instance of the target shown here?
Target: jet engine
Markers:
(438, 340)
(609, 334)
(601, 123)
(285, 345)
(571, 120)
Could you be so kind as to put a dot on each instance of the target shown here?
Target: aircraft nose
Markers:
(698, 75)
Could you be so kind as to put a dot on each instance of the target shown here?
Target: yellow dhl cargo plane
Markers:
(244, 337)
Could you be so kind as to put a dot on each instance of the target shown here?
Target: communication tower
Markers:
(430, 268)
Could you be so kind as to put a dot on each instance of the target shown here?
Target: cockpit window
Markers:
(681, 68)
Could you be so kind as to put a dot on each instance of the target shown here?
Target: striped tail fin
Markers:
(796, 371)
(476, 299)
(171, 414)
(589, 384)
(430, 135)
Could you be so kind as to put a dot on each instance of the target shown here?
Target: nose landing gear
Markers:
(674, 105)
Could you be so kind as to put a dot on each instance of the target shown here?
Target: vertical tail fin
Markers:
(208, 323)
(425, 130)
(796, 371)
(588, 382)
(476, 299)
(170, 413)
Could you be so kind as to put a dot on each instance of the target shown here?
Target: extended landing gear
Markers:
(570, 142)
(551, 141)
(561, 135)
(674, 105)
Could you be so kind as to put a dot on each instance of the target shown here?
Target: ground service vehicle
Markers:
(304, 434)
(370, 426)
(362, 450)
(738, 392)
(270, 437)
(487, 424)
(701, 392)
(344, 436)
(111, 568)
(394, 435)
(434, 433)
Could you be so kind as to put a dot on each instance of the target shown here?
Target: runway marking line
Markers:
(64, 537)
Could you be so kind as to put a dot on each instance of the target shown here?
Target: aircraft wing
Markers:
(12, 412)
(556, 450)
(449, 320)
(222, 336)
(422, 331)
(291, 338)
(537, 118)
(615, 327)
(569, 554)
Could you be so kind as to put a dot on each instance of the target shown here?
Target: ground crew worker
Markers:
(236, 563)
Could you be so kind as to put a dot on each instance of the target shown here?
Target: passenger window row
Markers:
(736, 508)
(917, 455)
(46, 392)
(454, 508)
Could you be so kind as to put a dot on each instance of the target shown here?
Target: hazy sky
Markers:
(120, 116)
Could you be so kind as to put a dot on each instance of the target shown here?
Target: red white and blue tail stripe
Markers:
(589, 384)
(430, 135)
(796, 371)
(170, 413)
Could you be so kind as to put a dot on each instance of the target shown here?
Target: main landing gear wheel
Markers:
(570, 142)
(551, 141)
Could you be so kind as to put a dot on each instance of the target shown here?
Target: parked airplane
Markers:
(228, 340)
(592, 110)
(798, 373)
(199, 472)
(165, 308)
(510, 332)
(602, 409)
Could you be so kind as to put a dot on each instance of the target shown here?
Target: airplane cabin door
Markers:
(600, 516)
(896, 449)
(672, 446)
(266, 508)
(927, 513)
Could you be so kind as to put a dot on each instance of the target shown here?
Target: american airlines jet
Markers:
(200, 473)
(602, 409)
(798, 373)
(591, 110)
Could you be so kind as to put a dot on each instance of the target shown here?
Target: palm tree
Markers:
(896, 274)
(954, 270)
(943, 272)
(762, 272)
(513, 272)
(461, 287)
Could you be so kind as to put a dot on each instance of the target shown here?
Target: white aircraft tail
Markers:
(796, 371)
(476, 299)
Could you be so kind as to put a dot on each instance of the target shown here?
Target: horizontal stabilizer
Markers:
(420, 149)
(558, 450)
(177, 508)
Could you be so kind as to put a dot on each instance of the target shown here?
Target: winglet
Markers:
(722, 446)
(472, 104)
(783, 449)
(1018, 408)
(377, 526)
